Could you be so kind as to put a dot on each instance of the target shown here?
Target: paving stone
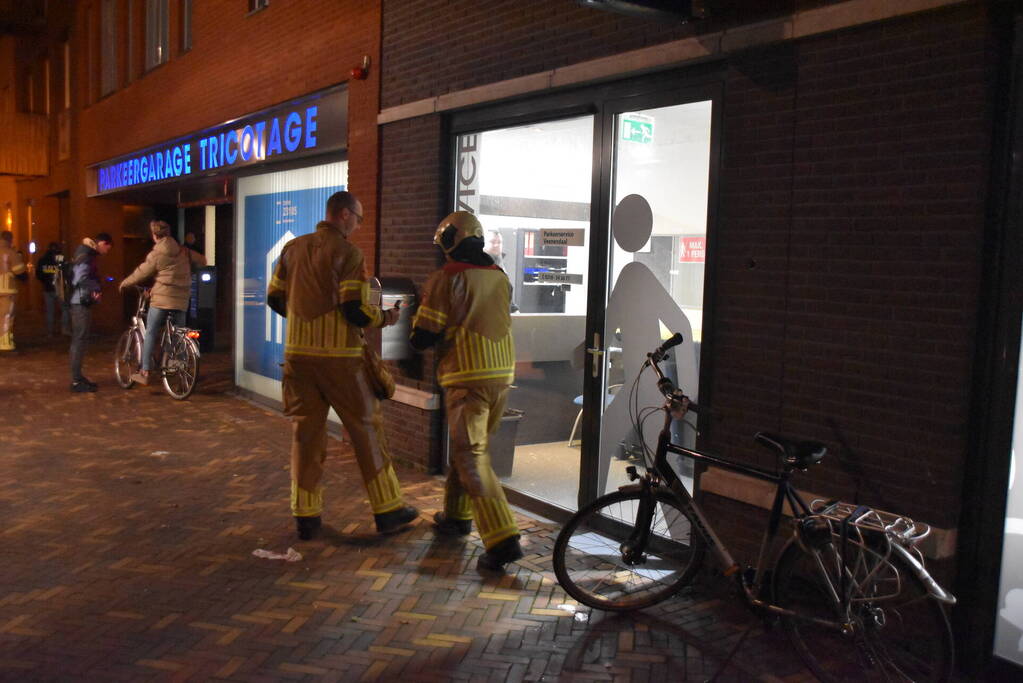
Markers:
(130, 520)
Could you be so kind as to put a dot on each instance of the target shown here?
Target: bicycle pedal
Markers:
(630, 471)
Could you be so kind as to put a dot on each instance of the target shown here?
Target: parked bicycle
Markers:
(178, 352)
(849, 586)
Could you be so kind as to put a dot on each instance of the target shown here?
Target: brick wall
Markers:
(413, 182)
(849, 253)
(467, 43)
(851, 219)
(238, 64)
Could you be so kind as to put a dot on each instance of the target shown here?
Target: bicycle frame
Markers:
(753, 589)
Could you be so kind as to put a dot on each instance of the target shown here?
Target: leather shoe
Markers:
(501, 554)
(82, 387)
(451, 527)
(308, 527)
(395, 520)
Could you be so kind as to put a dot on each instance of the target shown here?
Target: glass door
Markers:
(531, 187)
(658, 205)
(587, 304)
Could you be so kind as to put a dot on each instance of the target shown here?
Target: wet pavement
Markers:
(130, 521)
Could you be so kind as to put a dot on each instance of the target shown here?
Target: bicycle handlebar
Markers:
(665, 385)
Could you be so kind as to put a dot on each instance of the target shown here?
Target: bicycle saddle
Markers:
(799, 454)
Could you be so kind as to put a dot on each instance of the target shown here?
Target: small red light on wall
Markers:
(361, 72)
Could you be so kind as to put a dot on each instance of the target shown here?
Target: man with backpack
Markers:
(47, 268)
(169, 265)
(12, 269)
(85, 291)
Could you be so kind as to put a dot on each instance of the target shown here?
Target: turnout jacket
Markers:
(170, 265)
(469, 305)
(11, 266)
(320, 285)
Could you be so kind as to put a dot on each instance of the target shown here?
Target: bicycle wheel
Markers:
(127, 358)
(589, 562)
(180, 367)
(900, 632)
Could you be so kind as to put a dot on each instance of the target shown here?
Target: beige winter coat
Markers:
(171, 266)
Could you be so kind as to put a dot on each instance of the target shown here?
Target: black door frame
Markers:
(985, 480)
(604, 101)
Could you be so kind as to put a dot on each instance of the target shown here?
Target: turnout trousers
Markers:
(7, 321)
(313, 385)
(472, 489)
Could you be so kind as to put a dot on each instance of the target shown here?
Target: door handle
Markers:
(596, 353)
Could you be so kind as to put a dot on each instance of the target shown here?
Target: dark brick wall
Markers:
(413, 183)
(467, 43)
(849, 253)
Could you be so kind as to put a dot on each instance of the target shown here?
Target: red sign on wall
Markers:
(692, 249)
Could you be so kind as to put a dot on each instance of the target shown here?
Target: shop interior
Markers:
(534, 201)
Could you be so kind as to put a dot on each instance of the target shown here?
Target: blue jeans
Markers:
(154, 326)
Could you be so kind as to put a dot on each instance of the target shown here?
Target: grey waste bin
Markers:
(502, 443)
(386, 292)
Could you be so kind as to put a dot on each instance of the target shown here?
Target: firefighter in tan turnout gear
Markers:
(320, 286)
(12, 269)
(466, 311)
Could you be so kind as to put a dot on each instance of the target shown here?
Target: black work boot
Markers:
(451, 527)
(82, 387)
(308, 527)
(501, 554)
(395, 520)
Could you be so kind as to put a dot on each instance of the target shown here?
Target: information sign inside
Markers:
(692, 249)
(570, 237)
(549, 278)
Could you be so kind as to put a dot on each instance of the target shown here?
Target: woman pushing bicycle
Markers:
(169, 265)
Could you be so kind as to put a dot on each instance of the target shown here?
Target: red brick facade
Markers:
(239, 63)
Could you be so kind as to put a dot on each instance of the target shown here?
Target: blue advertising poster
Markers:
(271, 220)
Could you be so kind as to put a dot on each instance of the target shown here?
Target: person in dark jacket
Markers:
(46, 271)
(85, 291)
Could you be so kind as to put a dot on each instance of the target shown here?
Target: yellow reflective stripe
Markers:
(18, 268)
(277, 283)
(449, 378)
(384, 491)
(494, 520)
(374, 314)
(306, 503)
(432, 314)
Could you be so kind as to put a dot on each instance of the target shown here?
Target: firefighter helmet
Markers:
(455, 228)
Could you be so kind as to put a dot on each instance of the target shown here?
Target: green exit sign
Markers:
(638, 128)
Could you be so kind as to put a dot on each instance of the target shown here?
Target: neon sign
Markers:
(312, 125)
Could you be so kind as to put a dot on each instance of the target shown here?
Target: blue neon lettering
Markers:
(159, 166)
(310, 127)
(260, 150)
(275, 139)
(214, 149)
(231, 154)
(247, 143)
(292, 131)
(202, 154)
(176, 160)
(187, 154)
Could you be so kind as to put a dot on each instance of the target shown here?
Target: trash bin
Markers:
(502, 443)
(386, 292)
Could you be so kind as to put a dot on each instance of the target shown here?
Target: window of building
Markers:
(157, 33)
(186, 25)
(256, 5)
(108, 47)
(67, 75)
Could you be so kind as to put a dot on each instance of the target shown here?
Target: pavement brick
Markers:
(130, 520)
